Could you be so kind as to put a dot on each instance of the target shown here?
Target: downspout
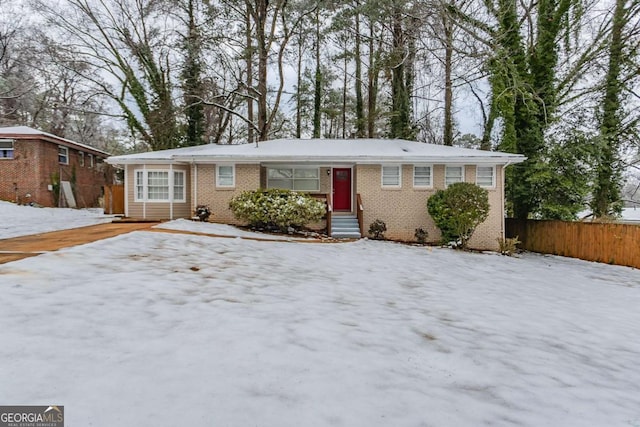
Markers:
(504, 168)
(144, 200)
(126, 190)
(194, 187)
(171, 187)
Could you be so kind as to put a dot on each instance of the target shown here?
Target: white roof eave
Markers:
(351, 159)
(140, 161)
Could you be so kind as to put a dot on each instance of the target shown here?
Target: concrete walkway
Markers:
(26, 246)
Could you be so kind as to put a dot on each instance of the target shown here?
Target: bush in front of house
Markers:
(508, 245)
(276, 209)
(458, 210)
(377, 229)
(421, 235)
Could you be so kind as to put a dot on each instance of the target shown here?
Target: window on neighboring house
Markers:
(298, 179)
(225, 176)
(422, 176)
(154, 185)
(81, 158)
(90, 157)
(391, 176)
(6, 149)
(453, 174)
(63, 155)
(485, 176)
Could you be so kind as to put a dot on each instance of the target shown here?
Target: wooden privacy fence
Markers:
(114, 199)
(610, 243)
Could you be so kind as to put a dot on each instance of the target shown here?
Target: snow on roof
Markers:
(323, 150)
(26, 131)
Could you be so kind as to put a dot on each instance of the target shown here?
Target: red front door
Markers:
(342, 189)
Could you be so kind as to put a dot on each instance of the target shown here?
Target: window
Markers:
(6, 149)
(156, 186)
(225, 176)
(298, 179)
(485, 176)
(178, 186)
(63, 155)
(139, 185)
(391, 176)
(422, 176)
(90, 156)
(453, 174)
(81, 158)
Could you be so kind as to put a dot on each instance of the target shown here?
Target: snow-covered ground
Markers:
(24, 220)
(223, 230)
(181, 330)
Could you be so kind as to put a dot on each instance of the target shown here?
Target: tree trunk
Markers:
(606, 195)
(249, 82)
(344, 97)
(448, 84)
(372, 77)
(192, 80)
(400, 110)
(299, 90)
(317, 98)
(263, 56)
(360, 120)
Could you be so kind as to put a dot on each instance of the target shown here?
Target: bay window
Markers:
(159, 186)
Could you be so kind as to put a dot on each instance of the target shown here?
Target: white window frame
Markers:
(294, 179)
(173, 186)
(430, 185)
(81, 158)
(143, 190)
(62, 149)
(139, 185)
(493, 176)
(382, 176)
(91, 163)
(447, 167)
(233, 176)
(4, 151)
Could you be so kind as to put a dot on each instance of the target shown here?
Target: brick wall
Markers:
(22, 171)
(217, 198)
(34, 165)
(404, 209)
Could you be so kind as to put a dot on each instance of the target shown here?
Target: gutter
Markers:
(343, 159)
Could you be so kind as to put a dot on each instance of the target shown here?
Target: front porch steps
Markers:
(345, 227)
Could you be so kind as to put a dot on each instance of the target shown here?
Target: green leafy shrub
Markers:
(277, 209)
(421, 235)
(458, 210)
(377, 229)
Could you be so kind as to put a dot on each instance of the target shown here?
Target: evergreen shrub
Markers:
(458, 210)
(277, 209)
(377, 229)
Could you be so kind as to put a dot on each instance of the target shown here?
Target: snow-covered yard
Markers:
(24, 220)
(181, 330)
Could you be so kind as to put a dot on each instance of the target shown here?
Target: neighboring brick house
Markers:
(33, 163)
(361, 179)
